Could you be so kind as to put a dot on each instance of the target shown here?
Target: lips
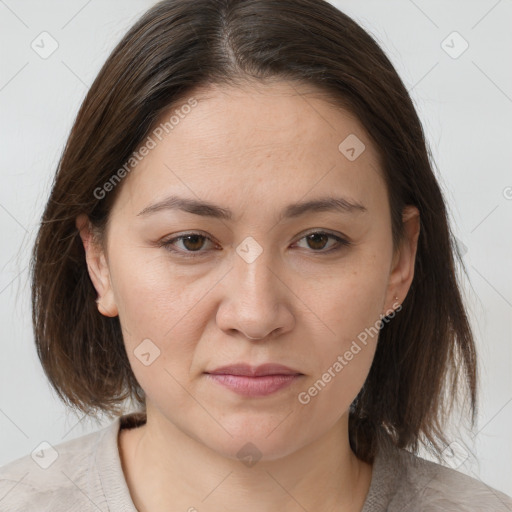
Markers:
(243, 369)
(254, 381)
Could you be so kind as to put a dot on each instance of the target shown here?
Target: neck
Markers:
(167, 469)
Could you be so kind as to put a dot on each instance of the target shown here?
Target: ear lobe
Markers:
(404, 259)
(97, 267)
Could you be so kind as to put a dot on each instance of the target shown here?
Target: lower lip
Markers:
(254, 386)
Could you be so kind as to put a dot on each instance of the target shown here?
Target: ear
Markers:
(402, 268)
(97, 267)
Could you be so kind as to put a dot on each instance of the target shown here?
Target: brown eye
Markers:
(318, 241)
(193, 242)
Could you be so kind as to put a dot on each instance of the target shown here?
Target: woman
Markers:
(246, 238)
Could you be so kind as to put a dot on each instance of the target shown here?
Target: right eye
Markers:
(192, 243)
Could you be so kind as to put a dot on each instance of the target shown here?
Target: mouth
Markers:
(247, 370)
(252, 381)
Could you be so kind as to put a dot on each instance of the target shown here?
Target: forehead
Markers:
(253, 142)
(256, 119)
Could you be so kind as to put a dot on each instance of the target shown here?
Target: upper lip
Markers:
(254, 371)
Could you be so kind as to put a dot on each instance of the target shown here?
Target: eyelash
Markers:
(168, 244)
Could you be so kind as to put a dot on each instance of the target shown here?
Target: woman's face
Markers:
(188, 306)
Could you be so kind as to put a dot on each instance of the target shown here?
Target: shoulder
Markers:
(427, 486)
(57, 478)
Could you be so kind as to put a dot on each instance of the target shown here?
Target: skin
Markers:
(253, 149)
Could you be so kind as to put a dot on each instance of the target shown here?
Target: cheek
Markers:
(148, 289)
(155, 306)
(350, 299)
(349, 307)
(329, 393)
(344, 348)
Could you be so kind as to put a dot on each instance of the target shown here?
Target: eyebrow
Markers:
(206, 209)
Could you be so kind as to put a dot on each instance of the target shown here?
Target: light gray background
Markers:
(465, 104)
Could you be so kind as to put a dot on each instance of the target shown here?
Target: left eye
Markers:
(318, 238)
(194, 242)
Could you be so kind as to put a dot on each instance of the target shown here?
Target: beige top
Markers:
(85, 474)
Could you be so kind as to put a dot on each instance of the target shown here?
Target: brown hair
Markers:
(179, 45)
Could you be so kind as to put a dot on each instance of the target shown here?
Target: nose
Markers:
(255, 301)
(254, 338)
